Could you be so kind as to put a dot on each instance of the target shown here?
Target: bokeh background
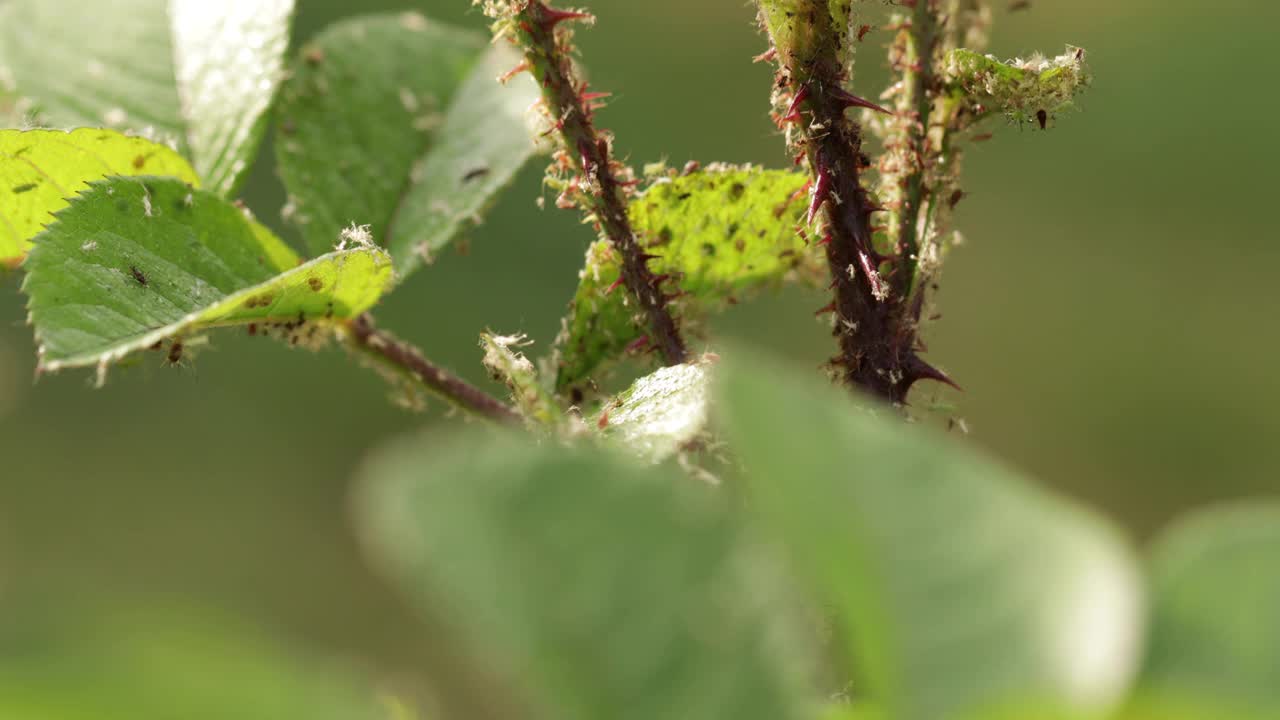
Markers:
(1113, 319)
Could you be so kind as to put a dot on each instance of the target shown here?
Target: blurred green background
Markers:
(1112, 319)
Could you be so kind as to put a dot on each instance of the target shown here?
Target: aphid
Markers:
(314, 56)
(475, 173)
(1043, 118)
(955, 198)
(139, 161)
(862, 32)
(1017, 5)
(175, 353)
(137, 275)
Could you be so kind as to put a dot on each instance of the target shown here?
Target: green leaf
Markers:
(41, 170)
(659, 414)
(577, 585)
(161, 666)
(721, 232)
(200, 78)
(133, 262)
(1215, 628)
(1019, 88)
(958, 586)
(229, 61)
(398, 122)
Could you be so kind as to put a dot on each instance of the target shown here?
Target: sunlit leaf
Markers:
(398, 122)
(41, 170)
(958, 586)
(721, 233)
(577, 585)
(660, 413)
(135, 262)
(197, 75)
(229, 60)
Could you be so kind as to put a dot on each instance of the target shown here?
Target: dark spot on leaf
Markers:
(708, 250)
(288, 127)
(733, 229)
(28, 187)
(736, 191)
(684, 196)
(137, 275)
(475, 174)
(139, 161)
(316, 284)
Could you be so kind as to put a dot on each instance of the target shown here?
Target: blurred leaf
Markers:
(575, 584)
(660, 413)
(721, 232)
(41, 170)
(959, 586)
(133, 262)
(229, 60)
(398, 122)
(153, 666)
(202, 82)
(1215, 635)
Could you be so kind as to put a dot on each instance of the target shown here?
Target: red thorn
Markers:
(659, 279)
(848, 99)
(638, 344)
(646, 257)
(873, 275)
(613, 286)
(826, 239)
(793, 110)
(767, 56)
(506, 77)
(918, 369)
(821, 192)
(828, 308)
(552, 17)
(589, 96)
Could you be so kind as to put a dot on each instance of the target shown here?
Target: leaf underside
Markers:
(135, 261)
(722, 232)
(41, 170)
(200, 78)
(398, 122)
(660, 413)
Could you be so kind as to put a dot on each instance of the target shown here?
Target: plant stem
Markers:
(394, 354)
(915, 106)
(876, 336)
(596, 188)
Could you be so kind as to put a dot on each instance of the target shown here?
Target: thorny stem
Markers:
(597, 188)
(364, 337)
(876, 335)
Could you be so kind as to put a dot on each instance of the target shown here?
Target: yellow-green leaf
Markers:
(41, 170)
